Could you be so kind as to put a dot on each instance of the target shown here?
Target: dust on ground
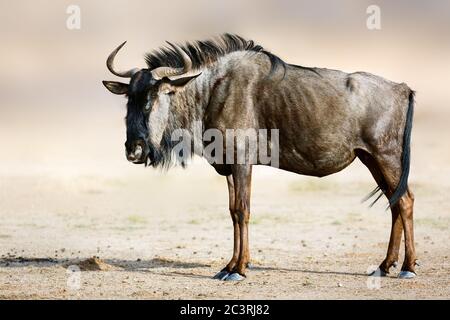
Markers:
(114, 230)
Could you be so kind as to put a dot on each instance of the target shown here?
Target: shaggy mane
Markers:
(203, 53)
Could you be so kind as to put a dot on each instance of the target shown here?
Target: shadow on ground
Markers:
(128, 265)
(145, 265)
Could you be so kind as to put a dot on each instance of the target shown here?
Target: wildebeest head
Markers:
(149, 96)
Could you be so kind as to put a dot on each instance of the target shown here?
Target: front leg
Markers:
(225, 272)
(242, 175)
(240, 213)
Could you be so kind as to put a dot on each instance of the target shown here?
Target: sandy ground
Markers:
(163, 236)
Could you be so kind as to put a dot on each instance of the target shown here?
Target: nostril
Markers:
(138, 151)
(135, 150)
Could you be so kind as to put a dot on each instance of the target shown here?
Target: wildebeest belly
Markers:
(318, 145)
(315, 160)
(318, 131)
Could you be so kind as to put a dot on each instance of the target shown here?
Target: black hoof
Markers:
(222, 275)
(378, 273)
(234, 277)
(406, 275)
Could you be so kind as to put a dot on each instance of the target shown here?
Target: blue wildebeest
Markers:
(325, 119)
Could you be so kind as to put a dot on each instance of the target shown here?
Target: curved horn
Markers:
(110, 65)
(162, 72)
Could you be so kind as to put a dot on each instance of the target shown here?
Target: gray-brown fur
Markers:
(326, 118)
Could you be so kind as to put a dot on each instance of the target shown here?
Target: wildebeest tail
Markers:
(406, 154)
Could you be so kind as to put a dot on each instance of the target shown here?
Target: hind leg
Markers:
(394, 242)
(391, 170)
(397, 224)
(406, 204)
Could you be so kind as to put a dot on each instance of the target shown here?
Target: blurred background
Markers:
(68, 193)
(55, 115)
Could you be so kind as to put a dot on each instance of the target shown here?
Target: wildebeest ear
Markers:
(169, 85)
(116, 87)
(181, 82)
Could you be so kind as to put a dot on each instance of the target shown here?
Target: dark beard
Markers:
(160, 156)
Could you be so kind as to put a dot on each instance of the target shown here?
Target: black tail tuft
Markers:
(406, 154)
(373, 193)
